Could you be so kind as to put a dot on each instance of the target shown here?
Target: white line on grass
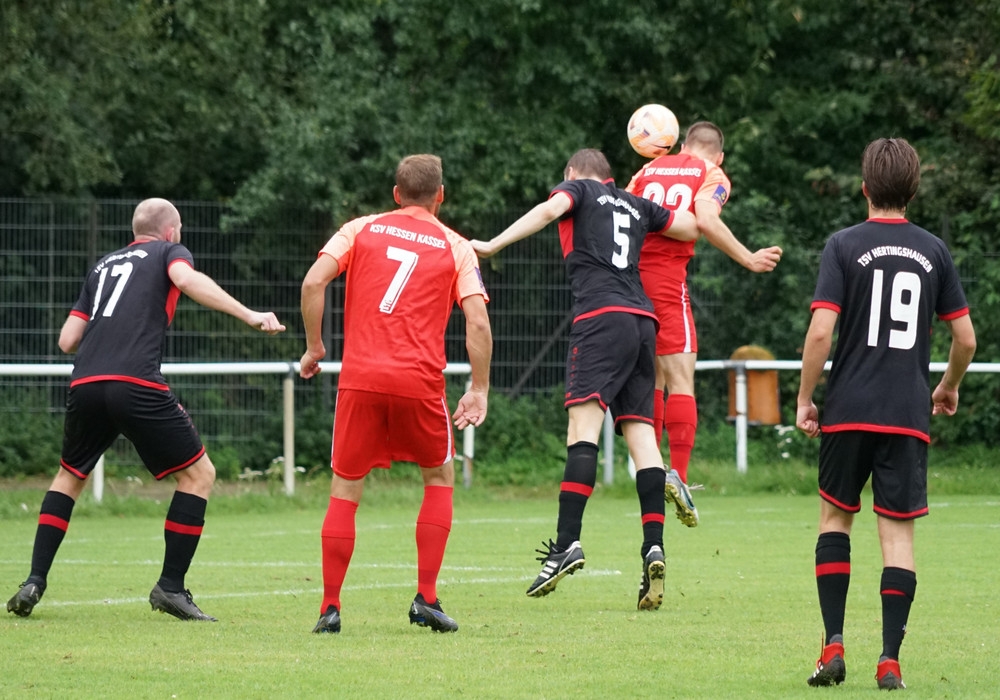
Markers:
(319, 590)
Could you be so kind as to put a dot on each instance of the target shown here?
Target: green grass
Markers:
(740, 618)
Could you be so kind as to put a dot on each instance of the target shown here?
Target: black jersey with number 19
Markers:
(601, 236)
(886, 278)
(128, 302)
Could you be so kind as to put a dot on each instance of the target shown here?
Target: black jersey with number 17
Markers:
(886, 278)
(601, 236)
(128, 302)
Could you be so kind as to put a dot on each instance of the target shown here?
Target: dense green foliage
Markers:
(283, 106)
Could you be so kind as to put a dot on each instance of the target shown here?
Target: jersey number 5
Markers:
(904, 307)
(407, 260)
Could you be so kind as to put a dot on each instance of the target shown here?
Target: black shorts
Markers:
(612, 359)
(152, 420)
(897, 465)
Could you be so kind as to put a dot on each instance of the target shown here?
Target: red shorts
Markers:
(371, 430)
(667, 289)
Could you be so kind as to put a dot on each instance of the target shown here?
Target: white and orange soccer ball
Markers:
(653, 130)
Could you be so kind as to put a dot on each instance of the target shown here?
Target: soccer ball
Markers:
(652, 130)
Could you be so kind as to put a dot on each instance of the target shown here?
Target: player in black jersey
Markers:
(611, 359)
(884, 279)
(116, 328)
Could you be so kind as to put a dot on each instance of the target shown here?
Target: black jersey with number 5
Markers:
(128, 301)
(601, 236)
(886, 278)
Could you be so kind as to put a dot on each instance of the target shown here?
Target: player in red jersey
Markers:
(884, 280)
(691, 180)
(405, 271)
(611, 358)
(116, 328)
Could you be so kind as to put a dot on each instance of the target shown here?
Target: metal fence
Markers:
(47, 246)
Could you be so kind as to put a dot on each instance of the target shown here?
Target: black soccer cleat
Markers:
(651, 587)
(26, 598)
(557, 564)
(830, 668)
(179, 604)
(329, 622)
(430, 615)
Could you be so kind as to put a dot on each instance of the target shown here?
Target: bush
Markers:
(30, 435)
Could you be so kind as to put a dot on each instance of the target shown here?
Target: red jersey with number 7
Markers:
(405, 271)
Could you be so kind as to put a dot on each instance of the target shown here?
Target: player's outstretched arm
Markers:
(479, 344)
(963, 348)
(313, 301)
(204, 290)
(719, 234)
(819, 340)
(537, 218)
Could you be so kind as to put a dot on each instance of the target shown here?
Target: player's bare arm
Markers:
(819, 340)
(537, 218)
(472, 406)
(683, 227)
(322, 272)
(206, 292)
(71, 333)
(716, 232)
(963, 348)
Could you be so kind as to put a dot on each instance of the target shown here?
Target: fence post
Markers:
(609, 449)
(741, 417)
(97, 479)
(288, 392)
(468, 446)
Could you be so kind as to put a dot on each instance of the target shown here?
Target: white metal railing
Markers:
(291, 370)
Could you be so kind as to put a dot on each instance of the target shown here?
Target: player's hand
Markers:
(471, 410)
(483, 248)
(309, 364)
(266, 322)
(765, 259)
(807, 419)
(945, 401)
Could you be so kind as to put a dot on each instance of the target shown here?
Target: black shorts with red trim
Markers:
(612, 359)
(152, 420)
(897, 465)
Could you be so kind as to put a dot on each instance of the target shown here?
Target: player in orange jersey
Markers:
(691, 181)
(405, 271)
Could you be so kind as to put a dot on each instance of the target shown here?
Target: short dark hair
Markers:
(706, 135)
(419, 178)
(590, 162)
(890, 169)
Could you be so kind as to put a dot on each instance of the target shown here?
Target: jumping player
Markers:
(884, 279)
(611, 359)
(405, 272)
(116, 328)
(691, 180)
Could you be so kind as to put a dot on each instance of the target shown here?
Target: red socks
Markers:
(433, 528)
(680, 417)
(338, 534)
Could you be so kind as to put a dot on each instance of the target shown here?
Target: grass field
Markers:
(740, 618)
